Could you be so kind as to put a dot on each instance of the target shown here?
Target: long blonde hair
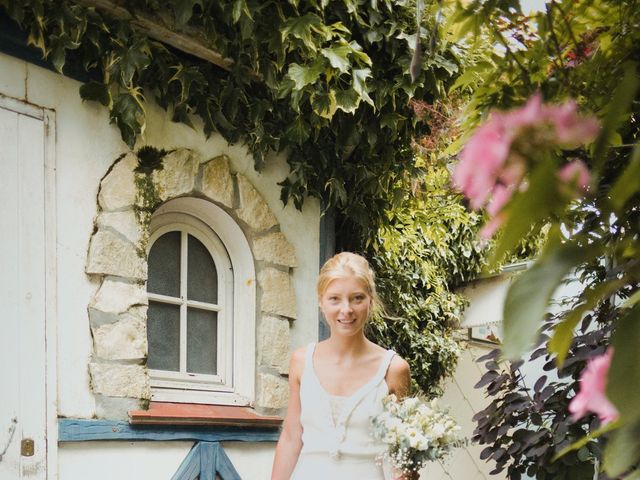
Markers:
(346, 264)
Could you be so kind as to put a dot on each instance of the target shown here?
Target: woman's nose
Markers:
(346, 306)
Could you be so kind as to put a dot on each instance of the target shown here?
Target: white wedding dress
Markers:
(336, 440)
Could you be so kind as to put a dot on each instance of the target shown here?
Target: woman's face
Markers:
(345, 305)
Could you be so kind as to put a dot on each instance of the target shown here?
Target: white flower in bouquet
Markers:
(415, 432)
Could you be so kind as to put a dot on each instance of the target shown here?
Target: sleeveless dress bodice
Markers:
(343, 448)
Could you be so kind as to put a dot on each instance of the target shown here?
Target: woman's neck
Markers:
(347, 346)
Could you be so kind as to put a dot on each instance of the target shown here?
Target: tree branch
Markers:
(188, 40)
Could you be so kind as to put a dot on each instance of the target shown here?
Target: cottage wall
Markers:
(86, 147)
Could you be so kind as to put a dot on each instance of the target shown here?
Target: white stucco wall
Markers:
(86, 145)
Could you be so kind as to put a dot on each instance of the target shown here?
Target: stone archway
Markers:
(117, 259)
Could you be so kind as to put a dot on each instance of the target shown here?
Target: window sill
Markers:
(165, 413)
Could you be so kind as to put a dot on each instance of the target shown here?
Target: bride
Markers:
(337, 385)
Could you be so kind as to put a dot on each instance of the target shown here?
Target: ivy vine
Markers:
(327, 83)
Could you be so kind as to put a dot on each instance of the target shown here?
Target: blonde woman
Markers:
(337, 385)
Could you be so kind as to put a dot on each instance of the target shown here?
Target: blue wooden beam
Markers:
(204, 461)
(79, 430)
(189, 469)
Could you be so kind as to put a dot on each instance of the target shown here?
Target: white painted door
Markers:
(23, 388)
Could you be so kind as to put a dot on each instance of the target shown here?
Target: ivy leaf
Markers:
(96, 91)
(128, 114)
(240, 7)
(183, 10)
(58, 45)
(357, 52)
(528, 297)
(186, 77)
(302, 29)
(299, 131)
(133, 59)
(338, 57)
(359, 83)
(303, 75)
(347, 100)
(325, 104)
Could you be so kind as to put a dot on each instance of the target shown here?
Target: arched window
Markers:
(194, 331)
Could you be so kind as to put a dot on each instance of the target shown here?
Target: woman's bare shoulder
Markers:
(399, 376)
(296, 364)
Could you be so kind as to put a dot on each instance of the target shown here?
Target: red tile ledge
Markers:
(164, 413)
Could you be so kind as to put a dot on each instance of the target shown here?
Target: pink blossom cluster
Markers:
(592, 397)
(493, 163)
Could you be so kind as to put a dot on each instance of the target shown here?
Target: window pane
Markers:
(202, 341)
(164, 265)
(163, 333)
(202, 284)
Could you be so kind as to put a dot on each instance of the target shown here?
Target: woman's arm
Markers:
(290, 442)
(399, 381)
(399, 377)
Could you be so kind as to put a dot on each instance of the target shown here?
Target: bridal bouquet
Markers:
(415, 432)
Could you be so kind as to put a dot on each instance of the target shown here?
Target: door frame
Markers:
(47, 116)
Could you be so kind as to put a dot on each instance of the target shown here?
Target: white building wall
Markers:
(86, 146)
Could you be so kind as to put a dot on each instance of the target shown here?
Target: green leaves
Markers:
(628, 183)
(528, 297)
(96, 91)
(304, 75)
(528, 209)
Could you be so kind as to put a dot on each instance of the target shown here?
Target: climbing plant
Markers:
(329, 85)
(326, 83)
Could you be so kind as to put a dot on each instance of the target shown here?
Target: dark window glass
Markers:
(202, 341)
(164, 265)
(163, 333)
(202, 281)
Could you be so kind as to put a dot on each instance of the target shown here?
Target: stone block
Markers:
(217, 183)
(178, 175)
(124, 223)
(125, 339)
(116, 380)
(118, 189)
(273, 391)
(118, 297)
(273, 343)
(111, 254)
(275, 248)
(277, 293)
(253, 209)
(112, 408)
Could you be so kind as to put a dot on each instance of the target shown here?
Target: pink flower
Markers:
(571, 129)
(575, 174)
(591, 397)
(531, 113)
(480, 162)
(494, 161)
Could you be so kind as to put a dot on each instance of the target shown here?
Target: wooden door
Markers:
(23, 247)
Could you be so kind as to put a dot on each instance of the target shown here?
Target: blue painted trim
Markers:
(190, 466)
(224, 467)
(205, 460)
(79, 430)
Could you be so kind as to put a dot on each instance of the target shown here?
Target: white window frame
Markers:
(187, 225)
(219, 232)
